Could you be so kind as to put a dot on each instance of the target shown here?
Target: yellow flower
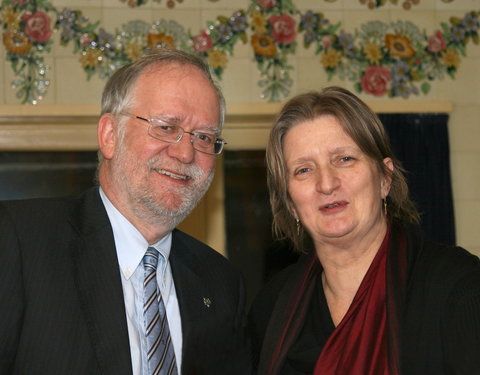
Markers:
(160, 41)
(90, 58)
(331, 58)
(133, 51)
(16, 42)
(217, 59)
(450, 58)
(372, 53)
(263, 45)
(11, 18)
(399, 45)
(258, 22)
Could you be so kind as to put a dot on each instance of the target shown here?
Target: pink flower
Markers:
(436, 43)
(266, 4)
(37, 26)
(327, 41)
(375, 80)
(84, 40)
(203, 42)
(283, 28)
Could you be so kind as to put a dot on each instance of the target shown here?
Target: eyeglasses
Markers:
(207, 143)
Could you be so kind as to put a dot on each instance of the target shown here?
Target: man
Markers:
(76, 272)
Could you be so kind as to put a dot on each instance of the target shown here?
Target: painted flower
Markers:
(16, 42)
(283, 28)
(327, 41)
(258, 22)
(85, 39)
(373, 53)
(309, 21)
(375, 80)
(266, 4)
(458, 34)
(11, 18)
(133, 51)
(470, 22)
(263, 45)
(238, 22)
(450, 58)
(90, 58)
(436, 43)
(331, 58)
(217, 59)
(37, 26)
(399, 45)
(202, 42)
(224, 33)
(160, 41)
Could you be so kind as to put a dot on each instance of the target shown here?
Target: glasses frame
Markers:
(193, 134)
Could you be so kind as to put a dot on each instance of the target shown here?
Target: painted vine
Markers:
(397, 59)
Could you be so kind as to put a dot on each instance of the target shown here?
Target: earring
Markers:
(385, 211)
(299, 227)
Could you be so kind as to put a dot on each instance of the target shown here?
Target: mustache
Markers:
(193, 171)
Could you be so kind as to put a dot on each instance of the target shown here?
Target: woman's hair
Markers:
(366, 130)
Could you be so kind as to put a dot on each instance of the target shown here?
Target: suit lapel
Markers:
(194, 296)
(99, 286)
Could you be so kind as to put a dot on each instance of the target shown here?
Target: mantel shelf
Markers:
(73, 127)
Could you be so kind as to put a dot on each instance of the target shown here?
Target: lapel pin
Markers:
(207, 301)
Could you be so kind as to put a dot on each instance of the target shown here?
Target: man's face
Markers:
(161, 182)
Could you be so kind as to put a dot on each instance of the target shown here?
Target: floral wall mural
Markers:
(396, 59)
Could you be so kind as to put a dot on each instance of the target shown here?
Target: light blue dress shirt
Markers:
(131, 247)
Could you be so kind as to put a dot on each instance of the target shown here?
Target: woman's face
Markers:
(335, 189)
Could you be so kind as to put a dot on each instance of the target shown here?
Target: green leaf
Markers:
(425, 87)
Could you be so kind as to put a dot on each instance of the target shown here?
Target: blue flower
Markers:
(309, 21)
(470, 22)
(238, 22)
(224, 33)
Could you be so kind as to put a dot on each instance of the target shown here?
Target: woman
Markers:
(371, 294)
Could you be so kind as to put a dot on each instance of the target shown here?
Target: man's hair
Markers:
(117, 94)
(366, 130)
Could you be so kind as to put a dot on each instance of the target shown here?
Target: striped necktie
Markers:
(160, 354)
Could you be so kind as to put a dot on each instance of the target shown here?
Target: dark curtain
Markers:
(421, 143)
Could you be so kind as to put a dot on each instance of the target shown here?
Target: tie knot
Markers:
(151, 257)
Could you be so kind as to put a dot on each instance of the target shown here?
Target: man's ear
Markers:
(107, 135)
(387, 178)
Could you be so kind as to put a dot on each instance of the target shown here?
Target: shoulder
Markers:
(265, 301)
(49, 212)
(201, 258)
(451, 269)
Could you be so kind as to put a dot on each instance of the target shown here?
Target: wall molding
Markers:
(73, 127)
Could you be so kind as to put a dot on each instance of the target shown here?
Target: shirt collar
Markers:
(129, 242)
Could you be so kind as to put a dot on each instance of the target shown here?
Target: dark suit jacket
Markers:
(61, 302)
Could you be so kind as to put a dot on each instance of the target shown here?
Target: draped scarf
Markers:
(366, 341)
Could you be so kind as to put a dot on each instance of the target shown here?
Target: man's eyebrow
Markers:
(213, 129)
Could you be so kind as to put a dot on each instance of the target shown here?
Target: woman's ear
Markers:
(107, 135)
(387, 177)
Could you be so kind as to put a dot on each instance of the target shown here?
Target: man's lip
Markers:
(174, 175)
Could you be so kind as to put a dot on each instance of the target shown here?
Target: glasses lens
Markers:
(161, 130)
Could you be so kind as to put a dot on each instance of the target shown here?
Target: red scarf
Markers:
(366, 342)
(358, 345)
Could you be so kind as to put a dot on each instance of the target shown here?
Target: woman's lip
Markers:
(334, 206)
